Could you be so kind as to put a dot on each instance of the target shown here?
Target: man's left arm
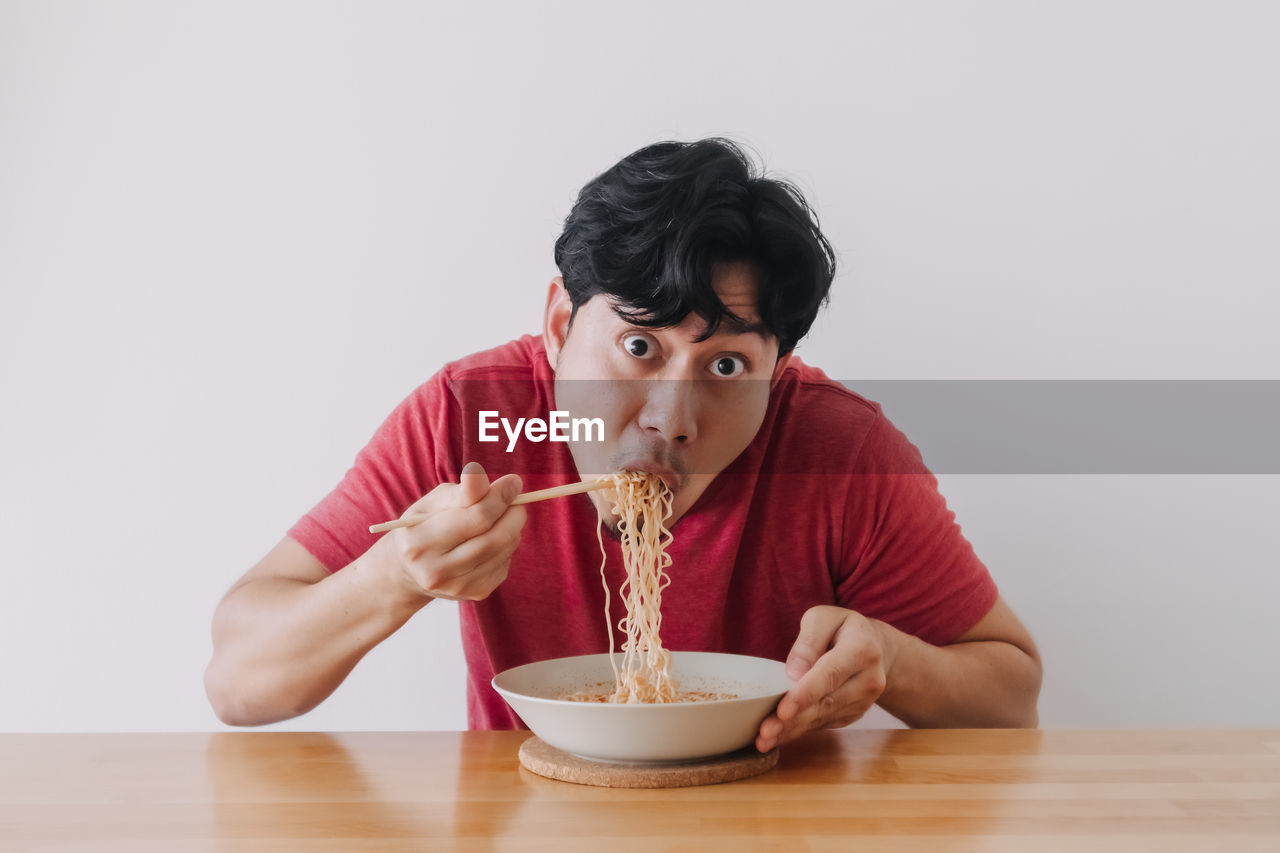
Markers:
(844, 662)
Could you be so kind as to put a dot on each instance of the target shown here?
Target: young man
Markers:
(806, 527)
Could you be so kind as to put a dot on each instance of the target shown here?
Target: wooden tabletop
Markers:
(1213, 790)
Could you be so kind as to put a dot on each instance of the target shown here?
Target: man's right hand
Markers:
(463, 548)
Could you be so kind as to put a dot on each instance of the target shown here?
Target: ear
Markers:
(780, 368)
(555, 320)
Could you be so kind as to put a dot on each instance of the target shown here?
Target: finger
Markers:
(509, 487)
(851, 651)
(480, 582)
(474, 482)
(817, 627)
(503, 534)
(845, 705)
(771, 728)
(473, 570)
(442, 497)
(478, 519)
(455, 526)
(446, 495)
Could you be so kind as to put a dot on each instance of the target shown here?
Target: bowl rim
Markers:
(704, 703)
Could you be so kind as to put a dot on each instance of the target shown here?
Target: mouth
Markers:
(666, 475)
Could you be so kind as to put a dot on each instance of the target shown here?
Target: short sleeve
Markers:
(407, 457)
(907, 561)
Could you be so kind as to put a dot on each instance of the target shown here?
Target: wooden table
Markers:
(1022, 791)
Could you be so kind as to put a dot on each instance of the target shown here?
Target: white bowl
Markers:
(677, 731)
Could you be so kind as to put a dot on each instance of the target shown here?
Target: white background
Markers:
(233, 236)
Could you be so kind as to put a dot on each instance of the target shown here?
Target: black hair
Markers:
(649, 231)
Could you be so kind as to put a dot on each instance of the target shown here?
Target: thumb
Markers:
(474, 482)
(817, 627)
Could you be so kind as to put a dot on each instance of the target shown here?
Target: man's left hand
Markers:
(840, 664)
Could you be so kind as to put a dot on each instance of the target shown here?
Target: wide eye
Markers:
(638, 346)
(728, 366)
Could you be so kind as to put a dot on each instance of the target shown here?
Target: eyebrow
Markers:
(729, 322)
(739, 326)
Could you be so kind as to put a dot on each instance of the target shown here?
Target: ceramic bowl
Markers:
(671, 732)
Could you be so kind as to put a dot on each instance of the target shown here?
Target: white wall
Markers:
(233, 236)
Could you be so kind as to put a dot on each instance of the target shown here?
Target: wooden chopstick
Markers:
(525, 498)
(561, 491)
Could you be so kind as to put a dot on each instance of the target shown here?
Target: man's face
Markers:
(680, 409)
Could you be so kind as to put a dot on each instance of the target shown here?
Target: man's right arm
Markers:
(289, 632)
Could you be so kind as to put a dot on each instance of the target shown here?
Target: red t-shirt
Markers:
(829, 504)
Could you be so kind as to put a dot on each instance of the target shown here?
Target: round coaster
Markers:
(546, 760)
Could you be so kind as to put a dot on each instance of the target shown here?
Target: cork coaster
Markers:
(545, 760)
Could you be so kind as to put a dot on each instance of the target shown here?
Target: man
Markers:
(805, 526)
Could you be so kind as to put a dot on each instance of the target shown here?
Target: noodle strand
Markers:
(643, 504)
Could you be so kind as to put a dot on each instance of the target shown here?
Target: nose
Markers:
(670, 410)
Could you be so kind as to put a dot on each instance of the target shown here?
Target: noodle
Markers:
(643, 503)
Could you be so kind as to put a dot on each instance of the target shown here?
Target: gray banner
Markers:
(960, 426)
(1086, 426)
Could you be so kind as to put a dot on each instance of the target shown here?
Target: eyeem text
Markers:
(559, 428)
